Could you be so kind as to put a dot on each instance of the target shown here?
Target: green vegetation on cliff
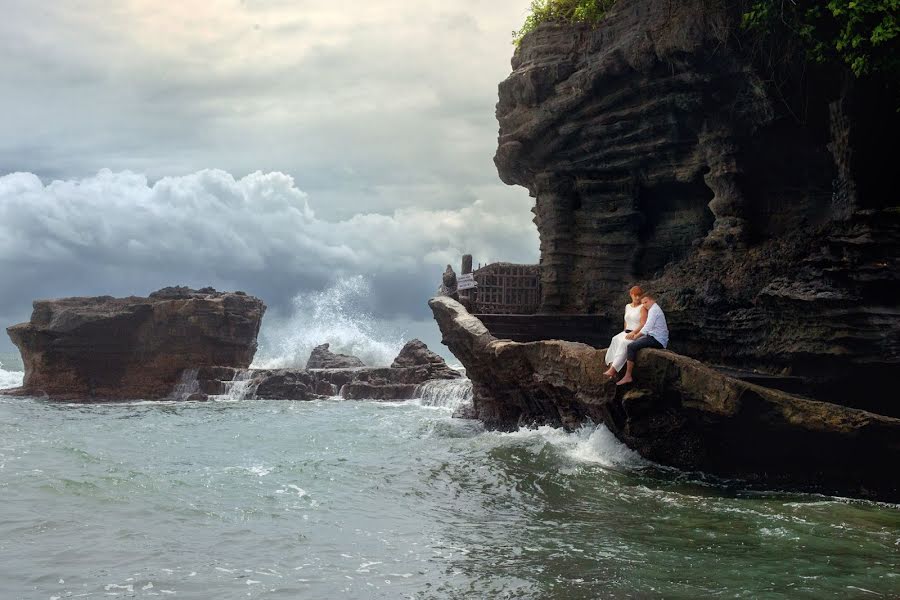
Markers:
(863, 34)
(562, 11)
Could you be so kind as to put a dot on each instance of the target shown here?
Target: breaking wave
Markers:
(590, 444)
(334, 316)
(10, 379)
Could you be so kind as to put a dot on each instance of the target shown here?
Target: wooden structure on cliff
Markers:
(507, 300)
(507, 289)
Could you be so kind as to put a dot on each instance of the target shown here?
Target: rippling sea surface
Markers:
(340, 499)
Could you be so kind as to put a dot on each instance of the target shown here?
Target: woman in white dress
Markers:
(635, 317)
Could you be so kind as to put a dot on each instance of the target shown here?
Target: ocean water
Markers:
(342, 499)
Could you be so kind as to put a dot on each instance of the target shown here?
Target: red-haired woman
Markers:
(635, 317)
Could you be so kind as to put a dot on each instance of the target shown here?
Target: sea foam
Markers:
(588, 444)
(10, 379)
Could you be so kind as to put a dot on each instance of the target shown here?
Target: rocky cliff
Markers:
(752, 191)
(678, 412)
(108, 348)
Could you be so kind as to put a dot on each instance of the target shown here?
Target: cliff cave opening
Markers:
(675, 215)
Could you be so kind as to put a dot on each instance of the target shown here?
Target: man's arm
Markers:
(652, 318)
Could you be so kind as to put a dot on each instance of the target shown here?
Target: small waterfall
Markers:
(242, 387)
(187, 385)
(445, 393)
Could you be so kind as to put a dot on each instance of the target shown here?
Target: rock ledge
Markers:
(678, 412)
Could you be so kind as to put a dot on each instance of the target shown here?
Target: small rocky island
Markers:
(105, 348)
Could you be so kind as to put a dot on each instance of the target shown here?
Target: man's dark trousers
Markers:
(645, 341)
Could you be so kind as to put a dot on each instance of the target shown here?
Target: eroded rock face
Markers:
(323, 358)
(104, 348)
(678, 412)
(659, 154)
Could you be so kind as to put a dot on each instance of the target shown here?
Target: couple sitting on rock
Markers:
(645, 327)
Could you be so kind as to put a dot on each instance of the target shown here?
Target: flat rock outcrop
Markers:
(752, 190)
(323, 358)
(678, 412)
(104, 348)
(415, 365)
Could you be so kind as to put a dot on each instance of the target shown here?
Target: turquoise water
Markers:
(332, 499)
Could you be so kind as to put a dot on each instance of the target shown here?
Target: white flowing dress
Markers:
(618, 347)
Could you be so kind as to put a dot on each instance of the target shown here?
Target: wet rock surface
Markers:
(323, 358)
(659, 153)
(415, 365)
(678, 412)
(416, 355)
(104, 348)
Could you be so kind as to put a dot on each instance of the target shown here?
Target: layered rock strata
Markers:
(104, 348)
(415, 365)
(678, 412)
(669, 148)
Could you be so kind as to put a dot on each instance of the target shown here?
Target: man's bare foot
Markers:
(610, 372)
(624, 380)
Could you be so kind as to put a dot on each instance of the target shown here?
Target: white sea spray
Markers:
(336, 316)
(10, 379)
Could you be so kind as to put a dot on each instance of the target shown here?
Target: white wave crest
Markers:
(10, 379)
(335, 316)
(590, 444)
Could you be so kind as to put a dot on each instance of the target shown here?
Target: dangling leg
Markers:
(631, 353)
(628, 369)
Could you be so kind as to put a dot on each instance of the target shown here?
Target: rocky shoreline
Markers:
(186, 344)
(678, 412)
(414, 366)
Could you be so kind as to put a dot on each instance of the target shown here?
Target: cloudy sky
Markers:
(282, 147)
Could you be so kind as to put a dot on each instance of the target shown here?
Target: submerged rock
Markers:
(323, 358)
(678, 412)
(104, 348)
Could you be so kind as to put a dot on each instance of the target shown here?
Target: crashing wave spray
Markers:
(10, 379)
(451, 393)
(334, 316)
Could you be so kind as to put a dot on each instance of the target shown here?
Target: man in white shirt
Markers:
(654, 334)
